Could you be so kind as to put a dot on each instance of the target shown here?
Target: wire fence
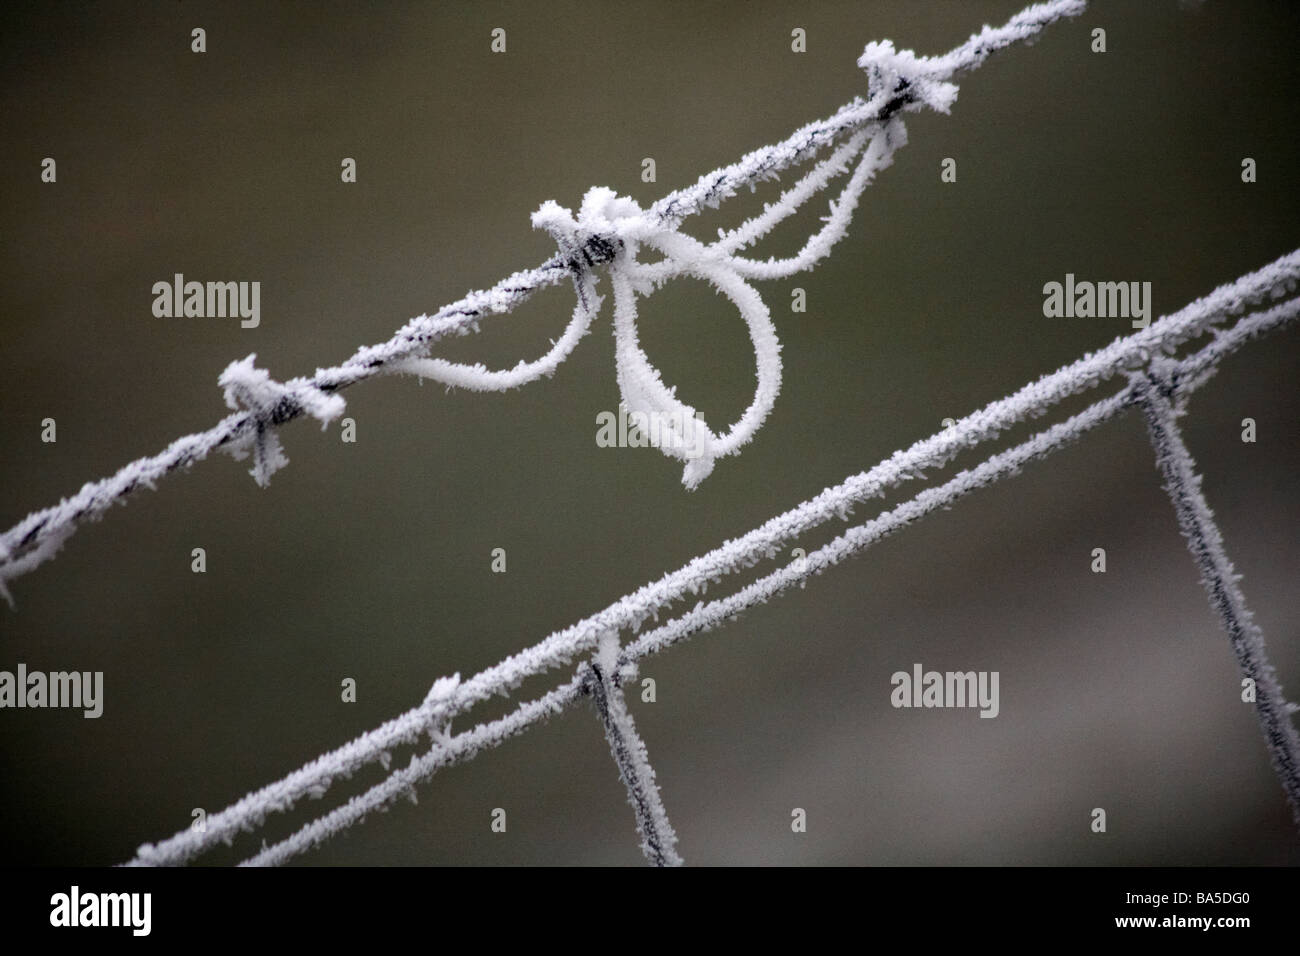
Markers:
(1140, 359)
(1157, 375)
(606, 233)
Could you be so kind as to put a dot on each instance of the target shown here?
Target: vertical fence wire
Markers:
(658, 839)
(1156, 391)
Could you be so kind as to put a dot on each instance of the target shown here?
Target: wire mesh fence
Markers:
(1133, 358)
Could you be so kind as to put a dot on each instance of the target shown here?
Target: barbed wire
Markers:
(898, 83)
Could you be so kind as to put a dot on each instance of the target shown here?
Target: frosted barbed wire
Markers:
(706, 616)
(1135, 350)
(713, 188)
(630, 611)
(671, 425)
(38, 537)
(253, 389)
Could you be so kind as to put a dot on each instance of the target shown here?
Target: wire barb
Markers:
(271, 403)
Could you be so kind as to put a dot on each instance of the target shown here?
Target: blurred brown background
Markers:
(371, 560)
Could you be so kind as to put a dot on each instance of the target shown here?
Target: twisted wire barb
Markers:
(453, 696)
(898, 82)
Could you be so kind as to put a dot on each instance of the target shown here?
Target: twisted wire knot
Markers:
(271, 403)
(922, 79)
(595, 235)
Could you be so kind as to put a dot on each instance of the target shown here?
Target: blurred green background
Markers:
(372, 560)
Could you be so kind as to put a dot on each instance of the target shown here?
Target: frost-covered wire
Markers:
(703, 617)
(706, 616)
(897, 82)
(671, 425)
(658, 839)
(251, 388)
(452, 697)
(446, 751)
(884, 102)
(1154, 387)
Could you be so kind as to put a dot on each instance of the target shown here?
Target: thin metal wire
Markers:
(1160, 399)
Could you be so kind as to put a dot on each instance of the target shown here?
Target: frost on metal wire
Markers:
(658, 839)
(897, 82)
(250, 388)
(619, 228)
(1268, 292)
(619, 224)
(1153, 388)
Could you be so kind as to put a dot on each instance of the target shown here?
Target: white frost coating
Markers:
(1205, 542)
(37, 537)
(886, 69)
(671, 425)
(658, 839)
(892, 72)
(16, 567)
(479, 378)
(253, 390)
(441, 690)
(704, 616)
(712, 188)
(402, 782)
(1197, 368)
(628, 612)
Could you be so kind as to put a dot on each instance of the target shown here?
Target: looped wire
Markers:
(607, 221)
(611, 230)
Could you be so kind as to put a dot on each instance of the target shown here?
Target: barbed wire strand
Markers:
(899, 82)
(707, 616)
(454, 696)
(703, 617)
